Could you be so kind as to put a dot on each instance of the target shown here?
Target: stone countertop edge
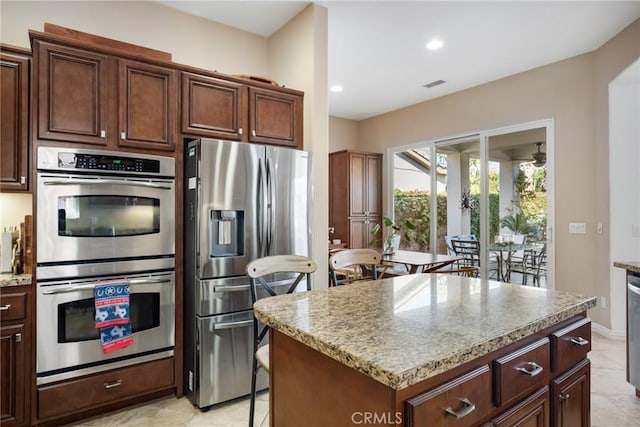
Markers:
(9, 279)
(628, 265)
(399, 381)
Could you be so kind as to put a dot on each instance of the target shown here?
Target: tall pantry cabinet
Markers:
(355, 196)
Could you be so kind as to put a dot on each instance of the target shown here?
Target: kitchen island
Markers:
(425, 350)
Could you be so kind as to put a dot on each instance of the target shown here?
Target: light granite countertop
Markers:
(8, 279)
(628, 265)
(402, 330)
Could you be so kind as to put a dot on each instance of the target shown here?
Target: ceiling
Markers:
(377, 48)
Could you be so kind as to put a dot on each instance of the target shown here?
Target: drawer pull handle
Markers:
(114, 384)
(466, 410)
(536, 369)
(579, 341)
(5, 307)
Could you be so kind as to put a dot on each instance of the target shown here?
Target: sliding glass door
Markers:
(494, 187)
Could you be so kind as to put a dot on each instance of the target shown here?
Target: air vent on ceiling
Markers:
(434, 83)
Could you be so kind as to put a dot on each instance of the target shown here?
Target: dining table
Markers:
(416, 261)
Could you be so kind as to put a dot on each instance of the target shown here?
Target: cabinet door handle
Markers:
(531, 372)
(5, 307)
(579, 341)
(103, 133)
(253, 132)
(467, 408)
(240, 131)
(564, 397)
(18, 337)
(114, 384)
(123, 135)
(23, 180)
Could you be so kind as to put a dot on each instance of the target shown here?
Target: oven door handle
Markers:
(107, 182)
(132, 282)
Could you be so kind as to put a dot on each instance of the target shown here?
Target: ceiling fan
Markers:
(539, 158)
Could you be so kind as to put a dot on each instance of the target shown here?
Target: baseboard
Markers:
(608, 333)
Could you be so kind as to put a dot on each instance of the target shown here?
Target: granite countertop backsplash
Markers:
(403, 330)
(628, 265)
(9, 279)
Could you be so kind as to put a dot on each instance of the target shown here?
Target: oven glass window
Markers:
(107, 216)
(76, 319)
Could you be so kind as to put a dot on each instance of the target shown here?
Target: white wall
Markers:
(624, 185)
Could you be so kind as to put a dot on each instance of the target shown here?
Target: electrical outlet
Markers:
(603, 302)
(577, 228)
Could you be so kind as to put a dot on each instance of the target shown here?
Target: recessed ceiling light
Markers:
(434, 44)
(336, 88)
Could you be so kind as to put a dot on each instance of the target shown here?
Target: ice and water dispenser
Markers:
(226, 230)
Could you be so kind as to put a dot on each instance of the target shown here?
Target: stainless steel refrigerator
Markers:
(242, 202)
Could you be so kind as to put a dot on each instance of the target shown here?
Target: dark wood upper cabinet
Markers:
(72, 94)
(275, 117)
(14, 119)
(213, 107)
(99, 99)
(229, 109)
(147, 106)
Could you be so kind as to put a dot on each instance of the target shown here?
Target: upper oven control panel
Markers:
(70, 160)
(108, 163)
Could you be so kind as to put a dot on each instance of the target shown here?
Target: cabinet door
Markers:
(360, 232)
(72, 94)
(531, 412)
(373, 186)
(275, 118)
(358, 183)
(570, 394)
(213, 107)
(14, 120)
(147, 106)
(12, 375)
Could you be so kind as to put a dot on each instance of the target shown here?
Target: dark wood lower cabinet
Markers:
(531, 412)
(531, 394)
(12, 375)
(84, 394)
(570, 404)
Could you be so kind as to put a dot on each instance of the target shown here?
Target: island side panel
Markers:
(304, 383)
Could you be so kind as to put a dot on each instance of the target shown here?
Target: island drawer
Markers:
(570, 345)
(96, 390)
(13, 306)
(462, 401)
(521, 371)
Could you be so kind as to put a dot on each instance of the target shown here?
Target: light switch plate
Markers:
(577, 228)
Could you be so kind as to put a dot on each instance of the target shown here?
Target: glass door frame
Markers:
(484, 136)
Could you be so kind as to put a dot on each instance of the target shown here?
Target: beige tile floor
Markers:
(613, 401)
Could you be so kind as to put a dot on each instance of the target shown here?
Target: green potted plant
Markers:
(391, 239)
(518, 223)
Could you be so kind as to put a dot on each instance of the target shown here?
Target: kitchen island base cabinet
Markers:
(512, 386)
(86, 396)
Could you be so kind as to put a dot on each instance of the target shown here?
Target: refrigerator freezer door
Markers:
(229, 174)
(288, 189)
(226, 346)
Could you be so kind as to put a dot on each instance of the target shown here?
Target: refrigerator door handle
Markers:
(231, 325)
(270, 211)
(261, 209)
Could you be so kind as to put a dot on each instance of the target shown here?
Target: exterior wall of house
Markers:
(574, 93)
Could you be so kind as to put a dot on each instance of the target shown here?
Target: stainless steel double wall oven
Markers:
(102, 215)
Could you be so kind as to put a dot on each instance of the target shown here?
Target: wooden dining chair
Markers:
(259, 271)
(355, 264)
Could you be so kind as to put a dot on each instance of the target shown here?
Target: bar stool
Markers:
(257, 270)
